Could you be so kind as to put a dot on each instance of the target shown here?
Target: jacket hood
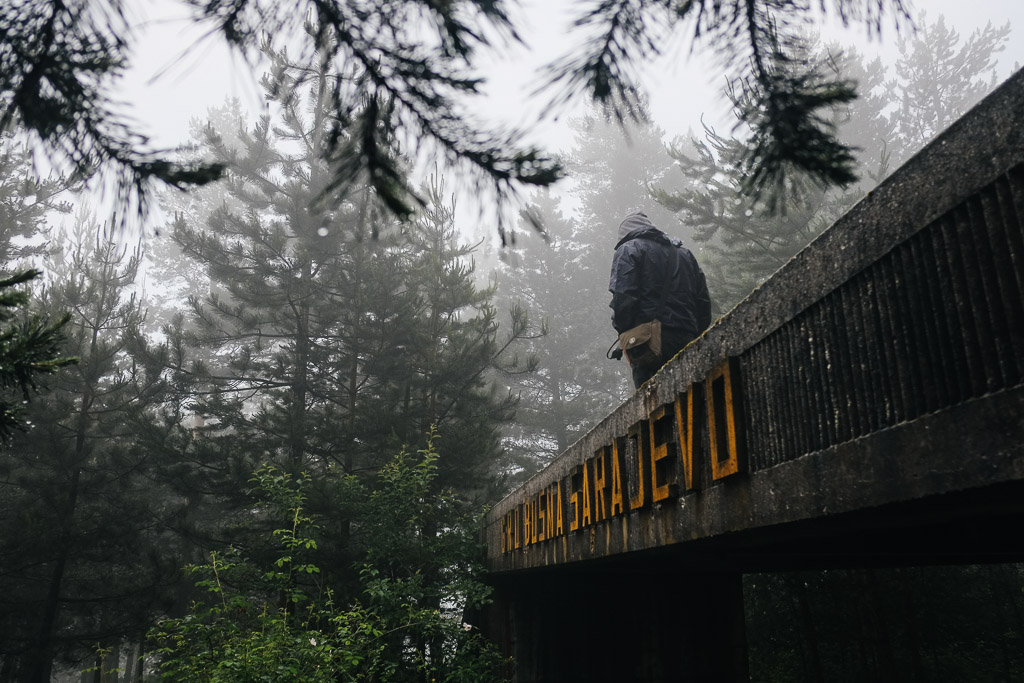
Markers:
(638, 225)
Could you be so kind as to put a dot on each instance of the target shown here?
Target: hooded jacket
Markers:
(656, 278)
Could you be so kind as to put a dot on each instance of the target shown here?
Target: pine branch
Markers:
(782, 97)
(58, 59)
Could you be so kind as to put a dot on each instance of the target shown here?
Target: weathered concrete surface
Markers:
(975, 445)
(967, 446)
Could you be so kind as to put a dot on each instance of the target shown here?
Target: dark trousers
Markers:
(671, 344)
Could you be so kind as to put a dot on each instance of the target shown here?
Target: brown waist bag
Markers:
(642, 345)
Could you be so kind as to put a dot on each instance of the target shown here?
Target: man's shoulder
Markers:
(643, 239)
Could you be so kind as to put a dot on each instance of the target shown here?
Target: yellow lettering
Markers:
(586, 494)
(661, 450)
(600, 484)
(559, 528)
(526, 522)
(616, 479)
(689, 435)
(635, 435)
(574, 501)
(534, 525)
(724, 419)
(542, 515)
(549, 512)
(510, 529)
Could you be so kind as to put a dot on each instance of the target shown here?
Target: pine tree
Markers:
(29, 345)
(443, 377)
(564, 280)
(784, 97)
(170, 278)
(574, 384)
(744, 240)
(330, 335)
(270, 354)
(414, 72)
(27, 202)
(938, 78)
(396, 68)
(79, 514)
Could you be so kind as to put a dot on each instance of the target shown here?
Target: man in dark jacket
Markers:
(656, 278)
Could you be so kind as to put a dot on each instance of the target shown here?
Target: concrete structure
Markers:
(864, 406)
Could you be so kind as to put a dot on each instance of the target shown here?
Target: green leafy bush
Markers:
(278, 622)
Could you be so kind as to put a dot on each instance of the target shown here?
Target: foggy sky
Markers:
(177, 74)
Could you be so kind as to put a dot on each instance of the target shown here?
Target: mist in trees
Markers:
(29, 343)
(691, 188)
(565, 279)
(302, 379)
(81, 533)
(403, 73)
(310, 331)
(937, 77)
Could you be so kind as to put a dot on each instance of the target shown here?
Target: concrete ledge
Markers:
(974, 445)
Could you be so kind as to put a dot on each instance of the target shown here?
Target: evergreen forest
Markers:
(257, 441)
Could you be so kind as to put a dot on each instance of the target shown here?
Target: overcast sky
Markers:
(178, 74)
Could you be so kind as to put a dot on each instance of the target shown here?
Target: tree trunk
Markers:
(41, 655)
(41, 666)
(558, 408)
(111, 664)
(133, 664)
(92, 674)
